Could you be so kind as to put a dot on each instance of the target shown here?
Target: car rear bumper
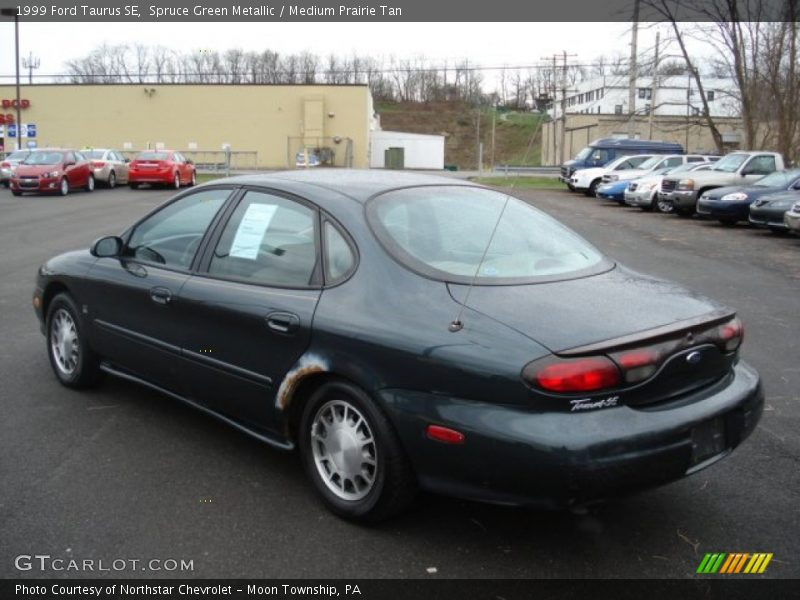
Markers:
(148, 177)
(519, 457)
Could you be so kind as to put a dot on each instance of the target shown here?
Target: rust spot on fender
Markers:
(307, 365)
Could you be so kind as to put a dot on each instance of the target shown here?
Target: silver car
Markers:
(9, 163)
(108, 166)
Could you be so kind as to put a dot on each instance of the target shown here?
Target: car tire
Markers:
(193, 180)
(16, 192)
(728, 222)
(176, 181)
(63, 186)
(6, 184)
(379, 481)
(73, 361)
(684, 212)
(778, 231)
(112, 180)
(570, 187)
(90, 184)
(592, 188)
(134, 186)
(663, 206)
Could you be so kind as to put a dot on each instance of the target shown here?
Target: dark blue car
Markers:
(731, 204)
(614, 190)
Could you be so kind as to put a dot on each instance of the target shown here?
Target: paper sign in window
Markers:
(251, 230)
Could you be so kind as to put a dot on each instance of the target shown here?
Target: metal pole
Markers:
(563, 111)
(478, 134)
(16, 64)
(494, 120)
(633, 73)
(654, 93)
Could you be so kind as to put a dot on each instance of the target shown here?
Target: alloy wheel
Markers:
(344, 450)
(64, 342)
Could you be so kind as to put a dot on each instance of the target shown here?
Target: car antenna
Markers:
(457, 324)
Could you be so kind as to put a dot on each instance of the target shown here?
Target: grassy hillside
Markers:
(458, 122)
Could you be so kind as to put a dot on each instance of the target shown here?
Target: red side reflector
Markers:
(444, 434)
(578, 375)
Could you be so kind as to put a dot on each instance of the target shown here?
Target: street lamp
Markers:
(10, 12)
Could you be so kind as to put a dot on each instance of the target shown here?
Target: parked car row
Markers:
(741, 186)
(61, 170)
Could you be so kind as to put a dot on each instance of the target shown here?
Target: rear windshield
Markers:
(44, 158)
(455, 233)
(153, 156)
(94, 153)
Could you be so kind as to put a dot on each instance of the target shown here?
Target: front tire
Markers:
(353, 456)
(16, 192)
(73, 362)
(63, 187)
(176, 182)
(728, 222)
(593, 188)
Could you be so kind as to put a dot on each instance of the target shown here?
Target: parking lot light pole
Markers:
(10, 12)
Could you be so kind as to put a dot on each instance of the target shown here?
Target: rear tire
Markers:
(778, 231)
(353, 456)
(193, 180)
(90, 184)
(74, 363)
(684, 212)
(112, 180)
(134, 186)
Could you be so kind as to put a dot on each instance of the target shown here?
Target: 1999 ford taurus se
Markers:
(407, 332)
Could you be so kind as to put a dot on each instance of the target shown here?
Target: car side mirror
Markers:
(189, 161)
(107, 247)
(127, 160)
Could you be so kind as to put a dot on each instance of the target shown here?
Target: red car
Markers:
(52, 170)
(164, 167)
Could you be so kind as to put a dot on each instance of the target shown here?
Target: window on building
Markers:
(647, 109)
(602, 92)
(710, 95)
(618, 109)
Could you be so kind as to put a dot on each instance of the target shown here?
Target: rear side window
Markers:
(269, 240)
(448, 233)
(339, 257)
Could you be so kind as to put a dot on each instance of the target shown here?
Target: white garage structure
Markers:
(421, 151)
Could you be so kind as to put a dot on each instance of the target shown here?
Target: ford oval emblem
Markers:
(694, 357)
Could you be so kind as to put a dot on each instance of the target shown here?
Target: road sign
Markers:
(31, 130)
(12, 130)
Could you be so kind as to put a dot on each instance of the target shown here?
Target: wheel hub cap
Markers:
(344, 450)
(64, 342)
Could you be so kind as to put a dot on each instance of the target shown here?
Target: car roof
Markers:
(355, 183)
(629, 143)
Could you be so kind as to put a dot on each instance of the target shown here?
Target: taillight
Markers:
(5, 164)
(565, 375)
(98, 164)
(638, 364)
(731, 334)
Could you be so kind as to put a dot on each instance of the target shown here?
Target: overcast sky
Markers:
(487, 44)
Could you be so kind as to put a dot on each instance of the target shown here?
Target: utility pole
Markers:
(555, 121)
(31, 63)
(633, 73)
(654, 93)
(494, 126)
(559, 137)
(479, 147)
(563, 110)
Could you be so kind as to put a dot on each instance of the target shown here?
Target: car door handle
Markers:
(160, 295)
(283, 322)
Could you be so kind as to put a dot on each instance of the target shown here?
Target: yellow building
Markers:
(266, 126)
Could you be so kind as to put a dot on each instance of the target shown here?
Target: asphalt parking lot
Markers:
(122, 472)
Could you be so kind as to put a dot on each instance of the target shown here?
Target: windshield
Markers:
(94, 153)
(583, 153)
(443, 232)
(153, 156)
(18, 155)
(778, 179)
(730, 163)
(684, 168)
(44, 158)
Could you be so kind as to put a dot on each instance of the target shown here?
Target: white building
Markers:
(675, 96)
(420, 151)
